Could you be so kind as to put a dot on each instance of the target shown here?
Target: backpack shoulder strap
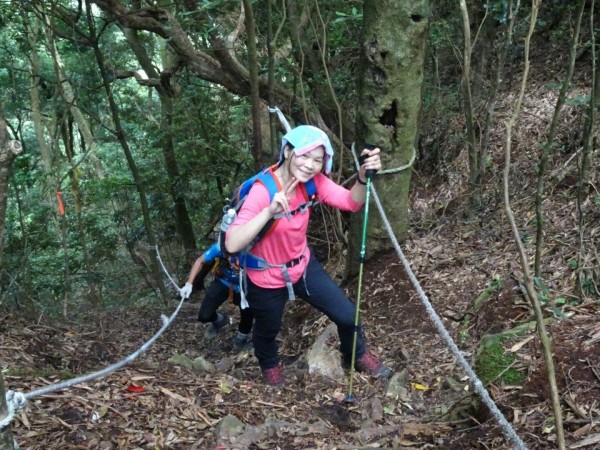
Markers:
(310, 189)
(270, 181)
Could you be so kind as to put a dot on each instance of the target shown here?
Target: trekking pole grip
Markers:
(369, 173)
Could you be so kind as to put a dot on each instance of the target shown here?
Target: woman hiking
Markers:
(306, 154)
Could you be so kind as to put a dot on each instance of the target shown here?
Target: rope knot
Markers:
(14, 402)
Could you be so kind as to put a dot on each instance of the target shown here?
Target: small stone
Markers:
(202, 365)
(181, 360)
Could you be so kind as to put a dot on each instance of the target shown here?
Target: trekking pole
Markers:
(369, 174)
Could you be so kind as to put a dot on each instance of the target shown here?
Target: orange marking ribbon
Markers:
(61, 206)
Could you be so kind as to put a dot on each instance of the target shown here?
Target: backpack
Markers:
(247, 260)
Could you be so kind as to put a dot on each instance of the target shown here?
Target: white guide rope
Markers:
(507, 428)
(17, 400)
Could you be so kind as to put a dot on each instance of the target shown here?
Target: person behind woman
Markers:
(306, 154)
(224, 285)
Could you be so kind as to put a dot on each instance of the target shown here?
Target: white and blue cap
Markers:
(305, 138)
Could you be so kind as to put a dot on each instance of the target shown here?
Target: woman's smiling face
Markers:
(304, 167)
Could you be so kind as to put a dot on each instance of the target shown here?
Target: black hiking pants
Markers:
(319, 291)
(215, 296)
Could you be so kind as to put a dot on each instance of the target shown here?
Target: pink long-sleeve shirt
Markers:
(286, 240)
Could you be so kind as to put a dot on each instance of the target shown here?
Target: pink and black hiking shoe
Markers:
(274, 376)
(370, 365)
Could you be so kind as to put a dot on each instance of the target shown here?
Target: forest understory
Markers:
(458, 253)
(455, 255)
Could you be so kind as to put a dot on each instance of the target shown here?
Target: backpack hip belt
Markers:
(254, 262)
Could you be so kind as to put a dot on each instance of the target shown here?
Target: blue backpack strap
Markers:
(268, 180)
(311, 189)
(250, 261)
(242, 191)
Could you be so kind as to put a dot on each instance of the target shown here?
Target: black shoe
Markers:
(242, 341)
(214, 327)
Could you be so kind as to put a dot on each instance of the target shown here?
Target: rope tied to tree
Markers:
(14, 402)
(408, 165)
(282, 118)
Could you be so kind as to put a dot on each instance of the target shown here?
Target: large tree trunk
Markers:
(256, 146)
(390, 98)
(135, 173)
(8, 151)
(166, 92)
(36, 109)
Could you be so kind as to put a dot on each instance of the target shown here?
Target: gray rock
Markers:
(229, 427)
(324, 360)
(374, 409)
(452, 384)
(397, 386)
(224, 364)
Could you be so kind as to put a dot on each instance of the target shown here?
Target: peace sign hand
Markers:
(281, 200)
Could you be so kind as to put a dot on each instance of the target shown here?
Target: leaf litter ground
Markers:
(153, 404)
(455, 251)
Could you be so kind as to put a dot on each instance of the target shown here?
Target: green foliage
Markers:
(543, 291)
(498, 10)
(526, 238)
(354, 15)
(589, 285)
(494, 363)
(578, 100)
(497, 282)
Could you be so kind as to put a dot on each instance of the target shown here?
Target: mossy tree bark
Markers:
(9, 150)
(395, 33)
